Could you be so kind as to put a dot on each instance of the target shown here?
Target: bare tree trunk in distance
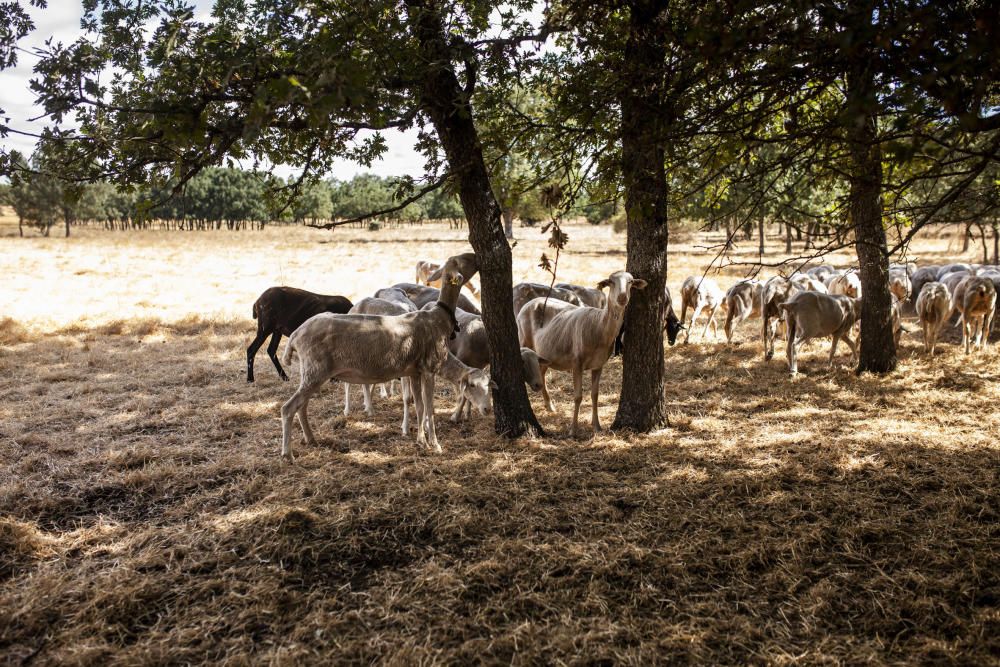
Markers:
(641, 406)
(760, 234)
(996, 241)
(878, 349)
(508, 223)
(451, 113)
(788, 238)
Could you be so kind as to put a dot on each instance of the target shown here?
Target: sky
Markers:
(61, 22)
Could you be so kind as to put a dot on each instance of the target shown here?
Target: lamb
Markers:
(975, 298)
(577, 339)
(775, 291)
(422, 295)
(281, 310)
(742, 302)
(472, 387)
(472, 347)
(701, 293)
(812, 315)
(933, 308)
(525, 292)
(365, 349)
(426, 269)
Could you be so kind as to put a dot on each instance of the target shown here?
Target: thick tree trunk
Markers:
(451, 113)
(788, 238)
(508, 223)
(878, 349)
(641, 405)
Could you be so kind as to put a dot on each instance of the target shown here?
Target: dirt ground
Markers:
(145, 516)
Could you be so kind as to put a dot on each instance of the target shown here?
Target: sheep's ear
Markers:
(543, 362)
(434, 277)
(604, 283)
(494, 386)
(639, 283)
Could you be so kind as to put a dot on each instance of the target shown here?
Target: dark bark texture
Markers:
(878, 350)
(447, 104)
(641, 406)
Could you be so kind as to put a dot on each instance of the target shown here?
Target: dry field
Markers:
(145, 516)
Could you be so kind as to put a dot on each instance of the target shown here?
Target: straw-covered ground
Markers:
(145, 516)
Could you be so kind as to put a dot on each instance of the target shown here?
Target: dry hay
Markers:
(145, 516)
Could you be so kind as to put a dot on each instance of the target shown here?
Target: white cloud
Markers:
(60, 22)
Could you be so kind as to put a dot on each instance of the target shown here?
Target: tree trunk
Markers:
(982, 237)
(788, 238)
(878, 349)
(760, 235)
(996, 241)
(508, 222)
(641, 405)
(450, 111)
(966, 234)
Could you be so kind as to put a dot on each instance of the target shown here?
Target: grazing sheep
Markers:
(975, 297)
(421, 295)
(847, 284)
(577, 339)
(951, 268)
(471, 346)
(809, 283)
(742, 302)
(700, 294)
(814, 315)
(900, 284)
(775, 291)
(281, 310)
(588, 295)
(525, 292)
(364, 349)
(472, 387)
(920, 277)
(933, 308)
(671, 324)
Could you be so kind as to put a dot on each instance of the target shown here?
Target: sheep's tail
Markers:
(286, 356)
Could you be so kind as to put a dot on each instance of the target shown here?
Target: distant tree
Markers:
(37, 198)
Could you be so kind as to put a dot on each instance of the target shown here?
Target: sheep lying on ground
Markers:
(576, 338)
(813, 315)
(281, 310)
(364, 349)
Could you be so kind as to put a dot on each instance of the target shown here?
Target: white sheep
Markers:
(933, 308)
(364, 349)
(577, 338)
(700, 294)
(813, 315)
(742, 302)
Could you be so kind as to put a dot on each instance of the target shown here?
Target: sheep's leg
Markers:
(694, 318)
(383, 390)
(404, 388)
(927, 344)
(416, 388)
(252, 352)
(347, 398)
(307, 434)
(428, 388)
(456, 414)
(545, 391)
(272, 351)
(290, 408)
(595, 390)
(851, 344)
(577, 396)
(833, 348)
(369, 409)
(793, 365)
(715, 327)
(966, 335)
(730, 325)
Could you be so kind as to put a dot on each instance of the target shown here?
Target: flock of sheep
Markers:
(414, 332)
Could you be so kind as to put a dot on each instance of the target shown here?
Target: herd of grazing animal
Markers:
(415, 332)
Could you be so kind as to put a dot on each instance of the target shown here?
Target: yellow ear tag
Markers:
(456, 281)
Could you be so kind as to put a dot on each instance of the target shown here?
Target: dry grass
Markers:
(145, 516)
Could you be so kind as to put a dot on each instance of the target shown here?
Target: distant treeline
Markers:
(217, 198)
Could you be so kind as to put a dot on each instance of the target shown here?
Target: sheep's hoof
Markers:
(288, 458)
(283, 377)
(250, 378)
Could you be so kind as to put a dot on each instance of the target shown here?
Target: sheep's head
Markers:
(475, 386)
(621, 284)
(532, 368)
(673, 327)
